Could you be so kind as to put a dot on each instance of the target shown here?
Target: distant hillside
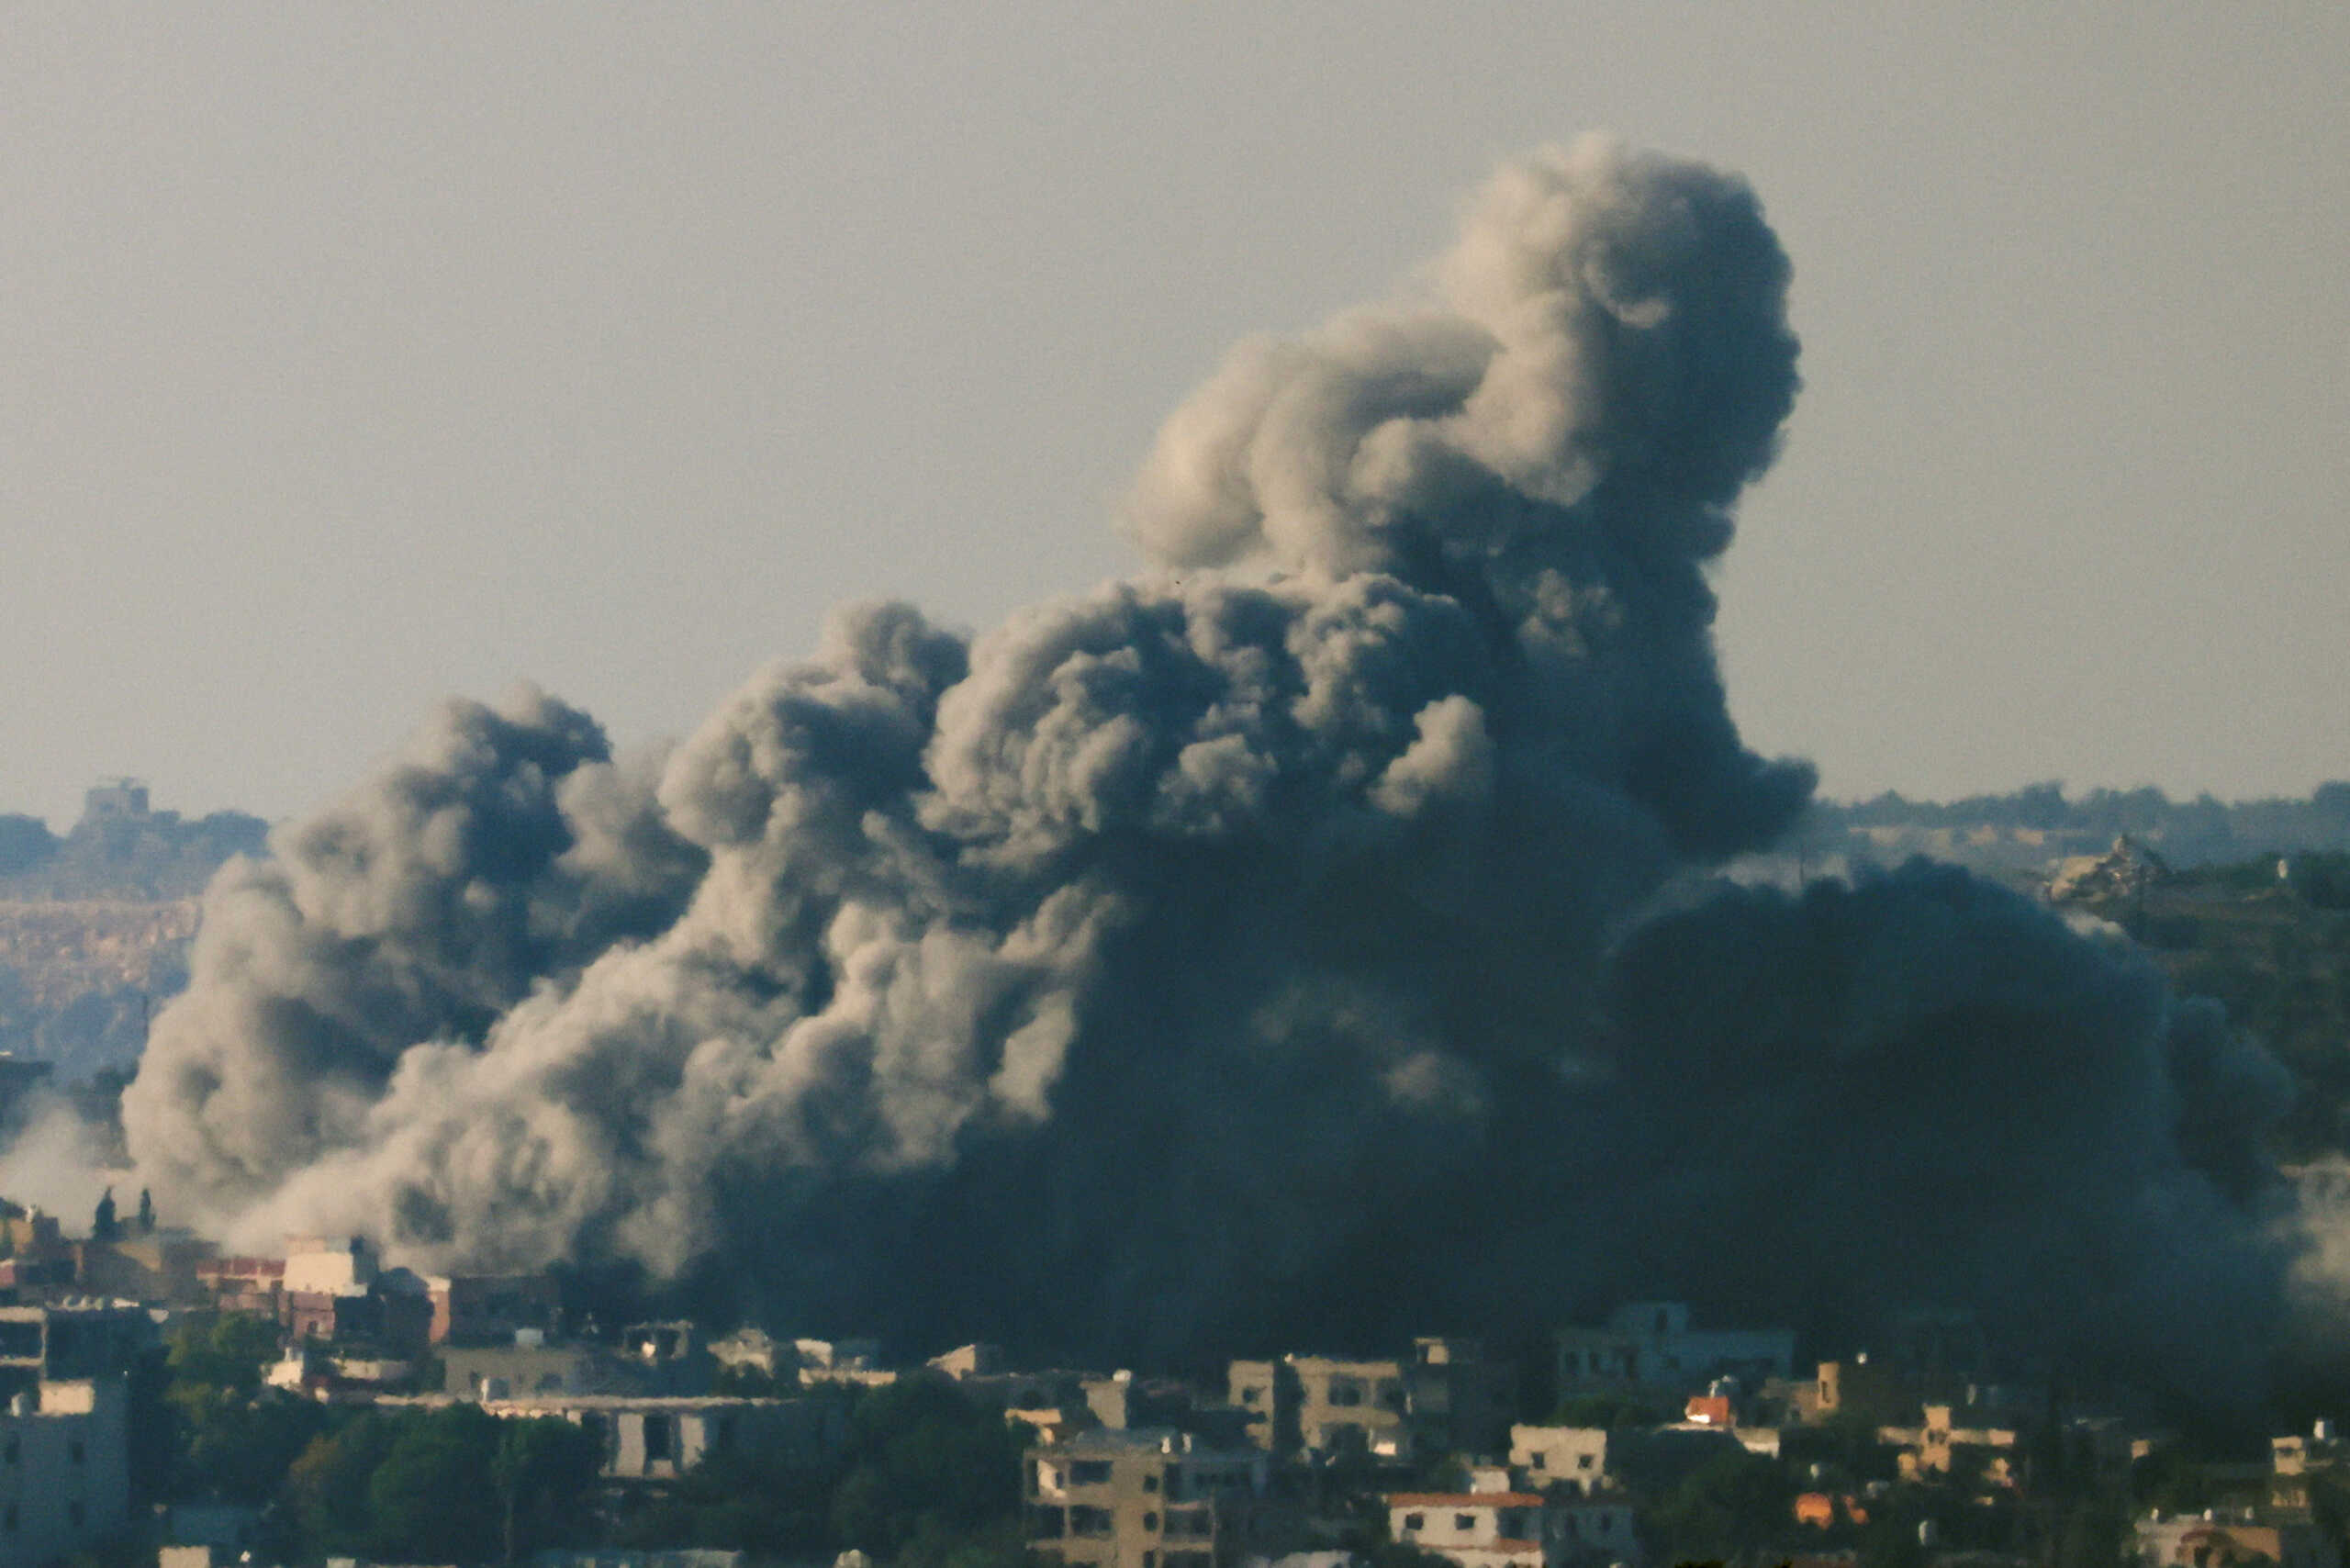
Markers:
(95, 926)
(120, 849)
(2275, 950)
(2023, 833)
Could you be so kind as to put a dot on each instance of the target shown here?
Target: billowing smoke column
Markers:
(1263, 951)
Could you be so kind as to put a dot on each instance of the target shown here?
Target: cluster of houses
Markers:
(1279, 1463)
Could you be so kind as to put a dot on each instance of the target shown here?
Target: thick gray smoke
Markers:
(1241, 951)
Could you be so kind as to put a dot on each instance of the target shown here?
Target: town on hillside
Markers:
(169, 1403)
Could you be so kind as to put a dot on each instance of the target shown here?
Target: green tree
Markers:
(923, 1459)
(546, 1472)
(741, 1501)
(230, 1355)
(426, 1501)
(2094, 1534)
(326, 1488)
(240, 1447)
(1729, 1506)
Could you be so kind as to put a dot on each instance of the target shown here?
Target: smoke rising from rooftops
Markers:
(1255, 948)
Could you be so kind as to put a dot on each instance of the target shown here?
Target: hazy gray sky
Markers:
(351, 356)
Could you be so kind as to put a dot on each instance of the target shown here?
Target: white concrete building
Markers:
(329, 1265)
(1486, 1528)
(1475, 1530)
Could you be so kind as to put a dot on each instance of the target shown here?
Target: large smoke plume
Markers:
(1300, 941)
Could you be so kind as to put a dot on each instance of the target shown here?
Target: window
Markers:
(1415, 1521)
(1345, 1392)
(75, 1452)
(1190, 1523)
(1090, 1472)
(1150, 1560)
(1047, 1523)
(1464, 1521)
(1582, 1462)
(1542, 1461)
(1252, 1395)
(1150, 1481)
(1083, 1520)
(1149, 1521)
(657, 1439)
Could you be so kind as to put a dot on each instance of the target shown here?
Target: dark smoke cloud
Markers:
(1923, 1089)
(1225, 955)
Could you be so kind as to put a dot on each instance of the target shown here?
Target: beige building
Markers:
(158, 1265)
(1448, 1398)
(1489, 1527)
(1569, 1459)
(1141, 1499)
(1949, 1441)
(1323, 1406)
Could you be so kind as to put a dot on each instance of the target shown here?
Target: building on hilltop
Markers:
(114, 800)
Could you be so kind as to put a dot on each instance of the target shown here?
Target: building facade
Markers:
(1141, 1499)
(64, 1469)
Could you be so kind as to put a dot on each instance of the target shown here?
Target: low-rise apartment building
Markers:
(1141, 1499)
(1449, 1397)
(1325, 1404)
(64, 1468)
(1562, 1459)
(1490, 1528)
